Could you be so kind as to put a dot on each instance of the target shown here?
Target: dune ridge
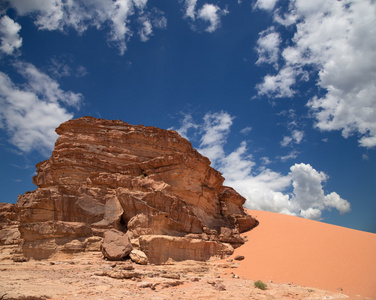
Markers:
(310, 253)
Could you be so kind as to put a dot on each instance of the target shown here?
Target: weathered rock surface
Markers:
(10, 236)
(159, 248)
(116, 245)
(144, 181)
(138, 257)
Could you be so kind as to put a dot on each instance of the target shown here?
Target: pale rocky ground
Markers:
(87, 276)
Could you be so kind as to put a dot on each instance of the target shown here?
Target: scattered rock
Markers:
(118, 274)
(138, 257)
(19, 259)
(172, 283)
(171, 276)
(116, 245)
(220, 287)
(239, 257)
(127, 267)
(148, 285)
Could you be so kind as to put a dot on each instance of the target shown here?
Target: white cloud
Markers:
(10, 39)
(309, 195)
(296, 137)
(268, 47)
(208, 13)
(292, 155)
(215, 129)
(141, 4)
(80, 15)
(336, 41)
(146, 30)
(265, 4)
(30, 113)
(264, 188)
(45, 87)
(281, 84)
(190, 9)
(211, 13)
(148, 20)
(265, 160)
(246, 130)
(186, 124)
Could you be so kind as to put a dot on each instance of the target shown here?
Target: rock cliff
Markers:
(146, 182)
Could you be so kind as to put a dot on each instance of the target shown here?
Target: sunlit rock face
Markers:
(143, 181)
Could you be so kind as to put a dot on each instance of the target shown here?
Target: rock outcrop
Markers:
(146, 182)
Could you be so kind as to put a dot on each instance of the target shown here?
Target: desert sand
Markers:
(309, 253)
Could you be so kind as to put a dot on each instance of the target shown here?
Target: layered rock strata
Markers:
(146, 182)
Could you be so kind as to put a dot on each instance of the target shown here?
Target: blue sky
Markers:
(280, 95)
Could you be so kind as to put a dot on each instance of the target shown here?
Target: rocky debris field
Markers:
(89, 276)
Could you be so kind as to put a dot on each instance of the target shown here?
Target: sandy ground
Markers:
(296, 258)
(310, 253)
(88, 276)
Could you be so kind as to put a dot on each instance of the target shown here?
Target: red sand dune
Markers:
(294, 250)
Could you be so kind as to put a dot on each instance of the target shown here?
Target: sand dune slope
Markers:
(310, 253)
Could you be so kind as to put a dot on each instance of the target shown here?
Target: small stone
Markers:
(139, 257)
(220, 287)
(239, 257)
(171, 276)
(19, 259)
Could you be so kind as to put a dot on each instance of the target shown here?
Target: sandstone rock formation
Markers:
(145, 181)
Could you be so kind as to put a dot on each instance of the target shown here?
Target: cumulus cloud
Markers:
(268, 47)
(31, 112)
(212, 14)
(80, 15)
(265, 4)
(208, 13)
(10, 39)
(335, 44)
(309, 195)
(263, 188)
(282, 84)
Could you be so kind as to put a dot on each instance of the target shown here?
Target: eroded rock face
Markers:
(160, 248)
(144, 181)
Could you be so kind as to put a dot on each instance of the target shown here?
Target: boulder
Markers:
(116, 245)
